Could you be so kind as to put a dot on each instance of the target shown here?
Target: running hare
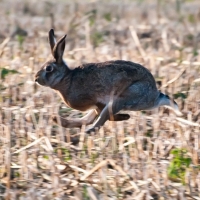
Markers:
(104, 88)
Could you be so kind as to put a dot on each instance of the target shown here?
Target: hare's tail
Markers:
(165, 100)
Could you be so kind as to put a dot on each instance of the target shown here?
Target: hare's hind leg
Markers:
(77, 122)
(109, 113)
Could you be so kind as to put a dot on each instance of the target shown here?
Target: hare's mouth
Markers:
(36, 79)
(39, 81)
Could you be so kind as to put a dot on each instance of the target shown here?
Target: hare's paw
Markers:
(121, 117)
(91, 130)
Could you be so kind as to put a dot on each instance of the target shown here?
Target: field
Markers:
(153, 155)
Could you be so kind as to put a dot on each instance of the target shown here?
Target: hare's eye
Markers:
(49, 68)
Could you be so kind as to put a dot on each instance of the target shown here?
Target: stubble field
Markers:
(153, 155)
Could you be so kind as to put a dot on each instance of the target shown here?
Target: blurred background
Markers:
(154, 155)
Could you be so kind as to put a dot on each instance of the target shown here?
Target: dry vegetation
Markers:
(124, 160)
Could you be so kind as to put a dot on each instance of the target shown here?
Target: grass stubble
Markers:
(123, 160)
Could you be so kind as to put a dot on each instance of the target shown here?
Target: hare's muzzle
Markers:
(37, 80)
(37, 76)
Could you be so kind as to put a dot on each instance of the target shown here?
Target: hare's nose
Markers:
(37, 76)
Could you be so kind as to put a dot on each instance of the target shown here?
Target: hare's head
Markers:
(53, 71)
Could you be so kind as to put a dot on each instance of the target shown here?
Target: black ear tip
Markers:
(51, 31)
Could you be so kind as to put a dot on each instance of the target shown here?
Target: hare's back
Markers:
(117, 68)
(106, 76)
(106, 72)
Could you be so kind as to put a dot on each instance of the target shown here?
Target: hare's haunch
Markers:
(104, 88)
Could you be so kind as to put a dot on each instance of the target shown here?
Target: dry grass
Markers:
(124, 160)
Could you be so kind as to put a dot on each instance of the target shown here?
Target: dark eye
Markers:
(49, 68)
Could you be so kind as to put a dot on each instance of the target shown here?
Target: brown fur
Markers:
(101, 87)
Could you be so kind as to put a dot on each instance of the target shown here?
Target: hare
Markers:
(103, 88)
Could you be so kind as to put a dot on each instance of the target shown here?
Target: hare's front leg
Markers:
(77, 122)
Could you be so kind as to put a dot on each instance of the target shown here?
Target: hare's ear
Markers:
(59, 48)
(52, 39)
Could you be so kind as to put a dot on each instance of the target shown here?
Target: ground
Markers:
(153, 155)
